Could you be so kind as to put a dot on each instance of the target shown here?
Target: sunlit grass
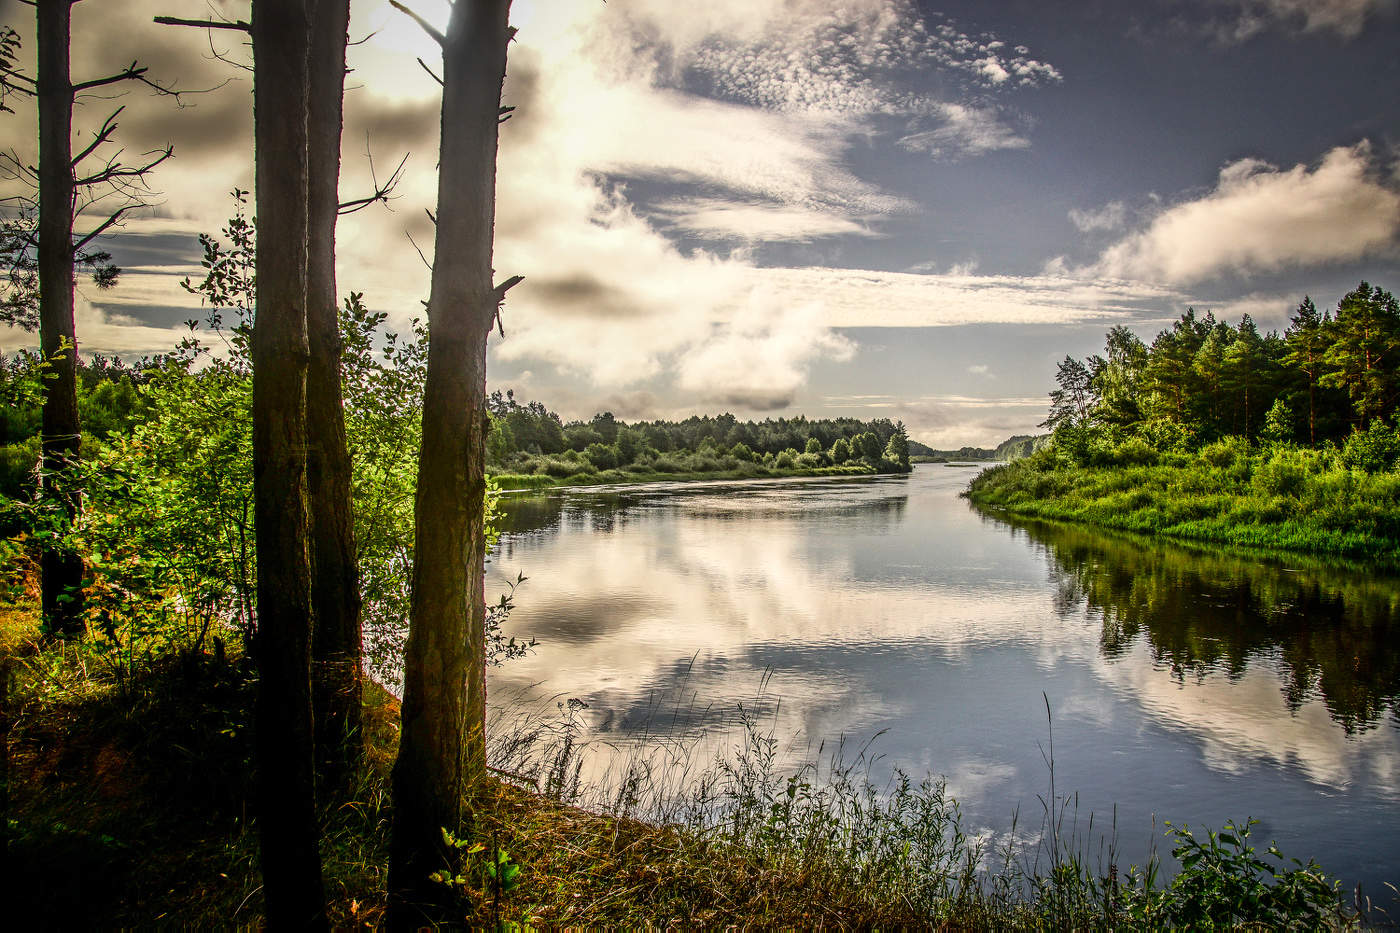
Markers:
(1282, 498)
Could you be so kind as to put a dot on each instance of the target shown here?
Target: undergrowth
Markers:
(129, 807)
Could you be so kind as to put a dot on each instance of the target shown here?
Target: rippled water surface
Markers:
(1192, 685)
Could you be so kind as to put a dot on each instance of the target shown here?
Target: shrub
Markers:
(602, 456)
(1225, 452)
(1134, 452)
(1374, 450)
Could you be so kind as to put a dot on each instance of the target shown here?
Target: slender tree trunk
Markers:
(442, 747)
(60, 569)
(336, 583)
(291, 864)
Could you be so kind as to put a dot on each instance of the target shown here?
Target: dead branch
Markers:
(438, 37)
(203, 23)
(381, 192)
(115, 217)
(109, 126)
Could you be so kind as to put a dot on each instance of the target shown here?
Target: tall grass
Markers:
(1278, 497)
(824, 842)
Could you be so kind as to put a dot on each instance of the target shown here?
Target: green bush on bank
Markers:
(1326, 500)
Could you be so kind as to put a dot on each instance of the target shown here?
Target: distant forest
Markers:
(530, 438)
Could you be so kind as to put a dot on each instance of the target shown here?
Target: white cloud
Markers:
(1347, 18)
(867, 298)
(749, 221)
(1261, 218)
(965, 130)
(758, 360)
(1112, 216)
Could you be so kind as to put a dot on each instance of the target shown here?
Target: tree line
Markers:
(1331, 373)
(523, 437)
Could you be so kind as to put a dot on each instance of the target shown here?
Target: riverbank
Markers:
(639, 473)
(1280, 498)
(129, 780)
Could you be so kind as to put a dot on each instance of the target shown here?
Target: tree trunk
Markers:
(291, 864)
(442, 747)
(60, 569)
(335, 590)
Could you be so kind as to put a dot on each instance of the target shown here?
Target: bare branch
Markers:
(438, 37)
(109, 126)
(381, 192)
(500, 295)
(420, 252)
(115, 170)
(130, 73)
(114, 218)
(507, 285)
(203, 23)
(432, 74)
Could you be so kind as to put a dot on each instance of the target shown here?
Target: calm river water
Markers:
(1189, 685)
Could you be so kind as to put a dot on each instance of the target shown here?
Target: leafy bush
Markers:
(1225, 452)
(1224, 884)
(1134, 452)
(1374, 450)
(602, 456)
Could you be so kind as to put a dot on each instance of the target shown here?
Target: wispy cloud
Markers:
(963, 130)
(1108, 218)
(1346, 18)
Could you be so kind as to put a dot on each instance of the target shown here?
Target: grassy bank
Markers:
(1275, 497)
(643, 473)
(128, 806)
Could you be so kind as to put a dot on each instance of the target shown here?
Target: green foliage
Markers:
(840, 451)
(1278, 497)
(1278, 424)
(1223, 883)
(1203, 379)
(741, 451)
(602, 456)
(1374, 450)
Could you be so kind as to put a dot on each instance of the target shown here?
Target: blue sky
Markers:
(866, 207)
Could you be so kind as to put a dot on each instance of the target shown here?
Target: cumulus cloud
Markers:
(757, 360)
(737, 117)
(1260, 218)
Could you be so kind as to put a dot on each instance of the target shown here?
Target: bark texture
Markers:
(60, 568)
(336, 646)
(291, 864)
(442, 750)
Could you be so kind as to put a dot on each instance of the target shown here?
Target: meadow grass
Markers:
(1279, 498)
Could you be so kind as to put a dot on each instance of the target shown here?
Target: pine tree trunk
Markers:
(291, 864)
(442, 750)
(60, 569)
(336, 648)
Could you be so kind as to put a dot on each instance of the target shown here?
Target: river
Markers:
(1183, 684)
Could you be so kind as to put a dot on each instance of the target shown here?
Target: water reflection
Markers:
(1328, 631)
(1195, 685)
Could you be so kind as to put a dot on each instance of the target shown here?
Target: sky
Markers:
(868, 208)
